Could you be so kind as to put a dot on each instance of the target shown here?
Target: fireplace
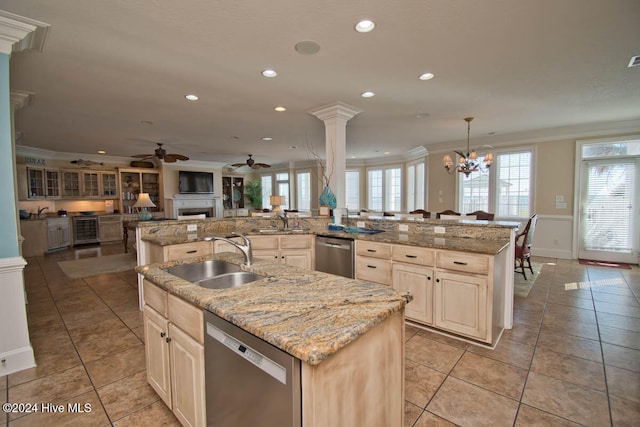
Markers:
(184, 205)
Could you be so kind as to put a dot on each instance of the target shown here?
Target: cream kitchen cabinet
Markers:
(110, 228)
(174, 351)
(157, 253)
(58, 233)
(373, 262)
(71, 184)
(38, 183)
(296, 250)
(413, 272)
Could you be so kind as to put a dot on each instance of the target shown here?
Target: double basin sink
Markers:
(214, 274)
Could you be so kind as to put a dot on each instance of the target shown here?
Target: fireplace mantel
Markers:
(194, 201)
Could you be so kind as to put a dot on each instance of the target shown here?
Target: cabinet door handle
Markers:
(372, 266)
(438, 280)
(371, 250)
(162, 334)
(428, 277)
(167, 339)
(411, 256)
(192, 251)
(459, 262)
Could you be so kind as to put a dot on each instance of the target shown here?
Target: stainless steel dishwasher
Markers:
(335, 255)
(249, 382)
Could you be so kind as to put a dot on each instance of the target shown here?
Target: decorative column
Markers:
(16, 33)
(335, 118)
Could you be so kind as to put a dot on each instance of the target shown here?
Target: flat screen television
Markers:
(190, 182)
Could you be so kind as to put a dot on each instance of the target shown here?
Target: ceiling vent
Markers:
(635, 61)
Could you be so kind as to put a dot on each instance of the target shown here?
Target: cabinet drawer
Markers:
(413, 255)
(155, 297)
(187, 250)
(186, 317)
(264, 242)
(462, 261)
(295, 242)
(373, 270)
(373, 249)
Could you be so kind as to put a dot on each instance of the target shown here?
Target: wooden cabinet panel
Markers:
(34, 232)
(155, 297)
(156, 329)
(186, 317)
(296, 242)
(373, 249)
(187, 250)
(373, 270)
(464, 262)
(413, 255)
(418, 281)
(58, 233)
(286, 249)
(297, 258)
(461, 304)
(265, 242)
(110, 228)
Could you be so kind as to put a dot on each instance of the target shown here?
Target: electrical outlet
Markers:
(360, 224)
(403, 227)
(193, 236)
(439, 230)
(192, 227)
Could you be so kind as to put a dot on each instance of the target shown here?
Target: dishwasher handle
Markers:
(345, 246)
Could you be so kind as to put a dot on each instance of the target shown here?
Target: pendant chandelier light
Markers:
(468, 162)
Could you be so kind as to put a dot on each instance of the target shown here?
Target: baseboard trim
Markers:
(16, 360)
(551, 253)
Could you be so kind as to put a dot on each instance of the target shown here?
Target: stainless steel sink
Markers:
(230, 280)
(214, 274)
(203, 270)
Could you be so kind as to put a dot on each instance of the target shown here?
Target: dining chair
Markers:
(425, 214)
(482, 215)
(523, 246)
(447, 212)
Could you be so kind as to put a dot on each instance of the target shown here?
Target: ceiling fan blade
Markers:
(261, 165)
(177, 156)
(142, 156)
(169, 159)
(238, 165)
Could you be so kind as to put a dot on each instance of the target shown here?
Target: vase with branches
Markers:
(327, 198)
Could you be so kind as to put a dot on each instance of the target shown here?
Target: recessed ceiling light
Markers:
(269, 73)
(192, 97)
(280, 109)
(266, 138)
(365, 26)
(426, 76)
(386, 153)
(367, 94)
(307, 47)
(101, 152)
(422, 115)
(146, 122)
(293, 147)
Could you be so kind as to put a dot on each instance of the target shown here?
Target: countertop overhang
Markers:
(310, 315)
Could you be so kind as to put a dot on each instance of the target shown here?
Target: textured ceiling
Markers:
(526, 70)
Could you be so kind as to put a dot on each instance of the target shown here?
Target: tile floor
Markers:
(573, 357)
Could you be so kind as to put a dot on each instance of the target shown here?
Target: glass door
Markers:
(609, 226)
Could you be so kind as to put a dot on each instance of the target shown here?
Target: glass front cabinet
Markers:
(43, 183)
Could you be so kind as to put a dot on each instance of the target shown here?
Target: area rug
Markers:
(521, 287)
(86, 267)
(604, 264)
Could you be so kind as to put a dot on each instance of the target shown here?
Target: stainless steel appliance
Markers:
(249, 382)
(85, 229)
(335, 255)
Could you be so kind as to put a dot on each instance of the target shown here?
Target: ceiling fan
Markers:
(161, 153)
(251, 163)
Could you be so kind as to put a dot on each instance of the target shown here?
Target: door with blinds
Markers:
(609, 229)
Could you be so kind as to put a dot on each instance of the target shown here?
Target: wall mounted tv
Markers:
(190, 182)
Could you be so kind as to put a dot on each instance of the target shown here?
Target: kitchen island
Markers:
(347, 334)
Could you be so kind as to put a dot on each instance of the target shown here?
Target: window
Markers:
(415, 186)
(265, 181)
(303, 190)
(282, 187)
(384, 189)
(352, 190)
(504, 189)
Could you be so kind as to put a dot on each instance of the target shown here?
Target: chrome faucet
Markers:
(40, 210)
(285, 219)
(244, 248)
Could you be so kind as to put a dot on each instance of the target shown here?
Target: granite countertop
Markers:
(481, 246)
(308, 314)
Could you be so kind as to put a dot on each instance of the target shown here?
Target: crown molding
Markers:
(332, 111)
(18, 33)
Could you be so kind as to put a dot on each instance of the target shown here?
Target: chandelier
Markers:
(468, 162)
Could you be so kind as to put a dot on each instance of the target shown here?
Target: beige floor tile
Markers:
(82, 319)
(88, 412)
(498, 377)
(627, 299)
(618, 321)
(529, 318)
(570, 301)
(569, 368)
(427, 419)
(97, 347)
(116, 366)
(127, 395)
(48, 363)
(57, 387)
(411, 413)
(625, 412)
(421, 383)
(621, 357)
(623, 383)
(507, 351)
(444, 339)
(571, 345)
(616, 308)
(435, 355)
(567, 400)
(535, 306)
(532, 417)
(139, 332)
(603, 292)
(566, 313)
(51, 342)
(620, 337)
(466, 404)
(154, 415)
(409, 331)
(570, 326)
(522, 333)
